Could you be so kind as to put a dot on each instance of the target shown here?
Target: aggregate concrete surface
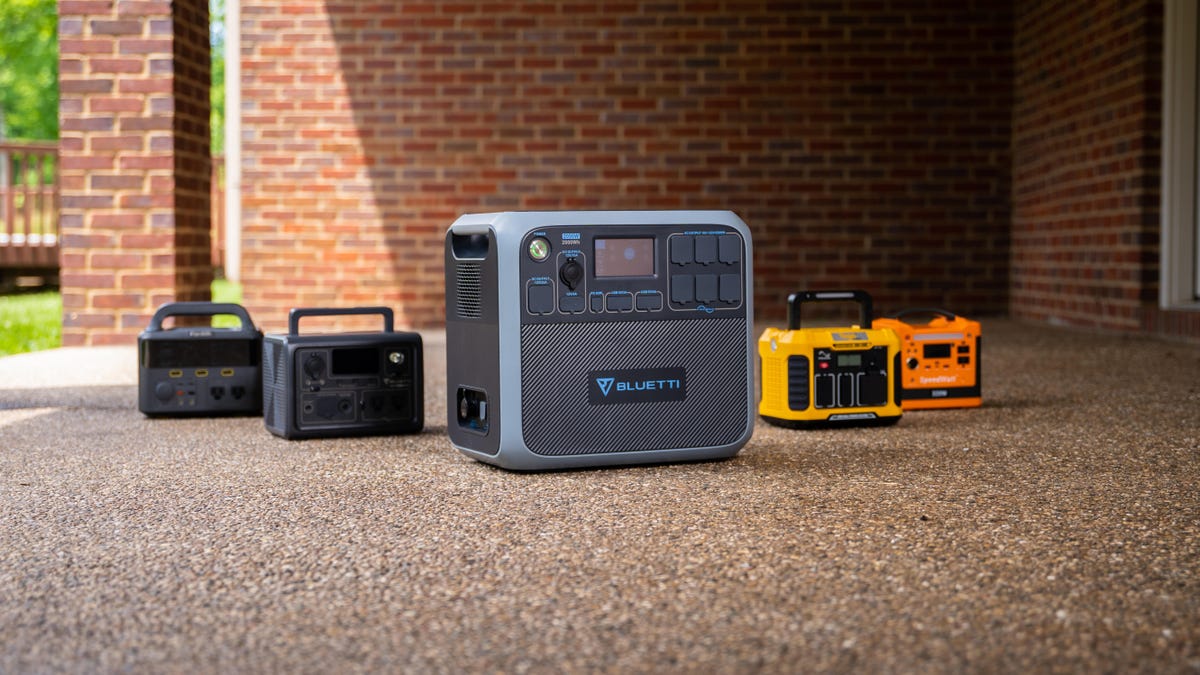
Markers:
(1055, 529)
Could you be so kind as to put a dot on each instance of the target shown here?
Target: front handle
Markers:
(200, 309)
(296, 314)
(796, 299)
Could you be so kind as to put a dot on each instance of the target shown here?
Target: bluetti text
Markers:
(607, 384)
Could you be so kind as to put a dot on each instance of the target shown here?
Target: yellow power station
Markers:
(820, 377)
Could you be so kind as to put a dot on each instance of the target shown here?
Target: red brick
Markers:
(115, 27)
(117, 221)
(105, 143)
(87, 320)
(76, 279)
(147, 281)
(83, 7)
(103, 261)
(144, 7)
(115, 104)
(144, 46)
(126, 65)
(119, 301)
(67, 85)
(86, 46)
(108, 181)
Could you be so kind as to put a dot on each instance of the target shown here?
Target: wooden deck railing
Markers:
(29, 227)
(29, 204)
(217, 209)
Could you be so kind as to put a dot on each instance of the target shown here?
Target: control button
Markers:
(729, 250)
(706, 249)
(731, 288)
(619, 302)
(539, 249)
(964, 349)
(164, 391)
(541, 299)
(681, 249)
(314, 367)
(649, 302)
(911, 363)
(571, 274)
(706, 287)
(964, 360)
(597, 303)
(681, 288)
(571, 304)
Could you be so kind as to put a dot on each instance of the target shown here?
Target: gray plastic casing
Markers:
(486, 352)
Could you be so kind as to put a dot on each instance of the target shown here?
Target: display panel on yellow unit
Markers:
(941, 358)
(842, 376)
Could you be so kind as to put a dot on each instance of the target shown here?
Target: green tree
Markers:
(216, 13)
(29, 68)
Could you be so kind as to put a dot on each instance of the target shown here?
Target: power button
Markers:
(539, 248)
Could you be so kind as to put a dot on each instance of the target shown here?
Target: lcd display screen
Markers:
(849, 360)
(625, 257)
(355, 361)
(941, 351)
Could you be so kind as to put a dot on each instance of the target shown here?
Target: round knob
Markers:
(571, 274)
(911, 363)
(314, 367)
(164, 391)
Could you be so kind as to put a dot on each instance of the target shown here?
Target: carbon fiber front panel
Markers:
(556, 359)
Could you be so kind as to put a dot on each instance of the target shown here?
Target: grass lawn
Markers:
(30, 321)
(33, 321)
(224, 290)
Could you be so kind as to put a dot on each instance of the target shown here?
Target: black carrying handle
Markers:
(795, 299)
(295, 315)
(200, 309)
(924, 311)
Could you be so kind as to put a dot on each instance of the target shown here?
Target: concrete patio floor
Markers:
(1055, 529)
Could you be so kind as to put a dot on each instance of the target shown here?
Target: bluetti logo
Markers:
(605, 384)
(640, 385)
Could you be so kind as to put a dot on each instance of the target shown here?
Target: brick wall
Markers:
(1086, 163)
(134, 164)
(866, 144)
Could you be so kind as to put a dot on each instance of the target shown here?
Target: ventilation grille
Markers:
(275, 395)
(468, 291)
(797, 382)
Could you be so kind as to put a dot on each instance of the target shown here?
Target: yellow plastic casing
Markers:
(791, 360)
(940, 361)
